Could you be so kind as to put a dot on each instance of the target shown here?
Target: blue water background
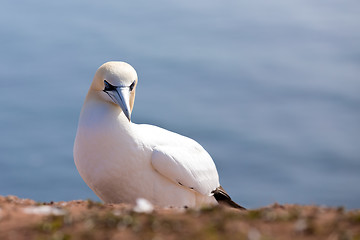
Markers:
(270, 88)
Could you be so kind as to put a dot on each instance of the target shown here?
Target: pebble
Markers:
(143, 206)
(44, 210)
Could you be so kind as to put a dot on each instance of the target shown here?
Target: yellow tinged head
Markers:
(118, 74)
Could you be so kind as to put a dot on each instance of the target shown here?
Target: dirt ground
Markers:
(27, 219)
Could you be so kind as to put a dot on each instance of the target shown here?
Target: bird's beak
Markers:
(121, 96)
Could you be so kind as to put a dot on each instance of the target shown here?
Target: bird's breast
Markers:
(106, 149)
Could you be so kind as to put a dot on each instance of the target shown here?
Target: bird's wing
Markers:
(187, 164)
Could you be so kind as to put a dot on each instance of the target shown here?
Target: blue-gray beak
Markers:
(120, 96)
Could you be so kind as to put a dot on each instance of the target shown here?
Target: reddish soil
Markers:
(20, 219)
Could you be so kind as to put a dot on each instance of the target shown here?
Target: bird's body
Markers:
(122, 161)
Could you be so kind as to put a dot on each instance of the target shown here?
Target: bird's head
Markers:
(115, 82)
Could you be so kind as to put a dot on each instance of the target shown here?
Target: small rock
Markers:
(300, 225)
(254, 234)
(143, 206)
(44, 210)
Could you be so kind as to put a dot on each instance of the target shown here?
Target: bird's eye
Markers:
(132, 86)
(108, 86)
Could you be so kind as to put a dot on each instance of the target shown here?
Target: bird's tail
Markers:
(222, 197)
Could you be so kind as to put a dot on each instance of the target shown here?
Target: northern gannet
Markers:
(122, 161)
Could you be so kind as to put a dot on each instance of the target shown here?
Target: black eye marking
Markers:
(132, 86)
(108, 86)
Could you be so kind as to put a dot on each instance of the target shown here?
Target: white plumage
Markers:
(122, 161)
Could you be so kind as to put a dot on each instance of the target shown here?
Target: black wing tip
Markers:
(234, 205)
(223, 198)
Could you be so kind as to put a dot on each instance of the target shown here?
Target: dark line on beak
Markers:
(110, 96)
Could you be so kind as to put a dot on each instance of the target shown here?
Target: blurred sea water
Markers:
(271, 89)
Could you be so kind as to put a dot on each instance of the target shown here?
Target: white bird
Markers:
(122, 161)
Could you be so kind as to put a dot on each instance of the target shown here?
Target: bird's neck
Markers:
(96, 110)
